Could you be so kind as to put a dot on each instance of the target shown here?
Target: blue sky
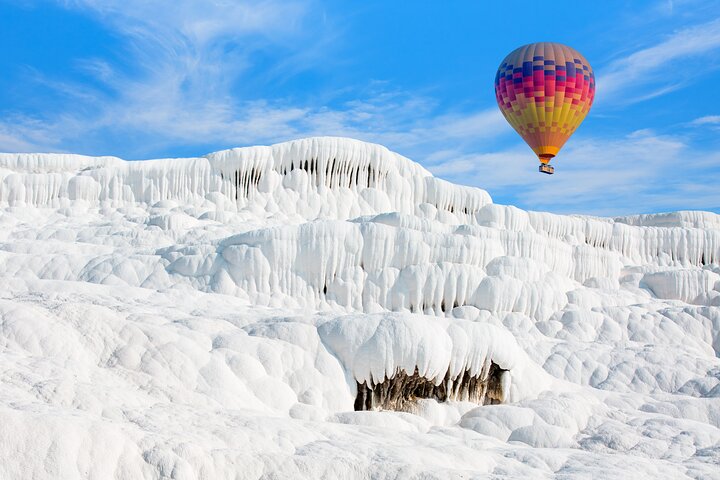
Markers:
(140, 79)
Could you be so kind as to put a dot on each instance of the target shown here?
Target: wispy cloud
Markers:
(643, 172)
(178, 80)
(658, 69)
(19, 133)
(11, 141)
(712, 120)
(401, 121)
(190, 83)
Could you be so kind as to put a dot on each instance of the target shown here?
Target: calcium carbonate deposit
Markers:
(325, 308)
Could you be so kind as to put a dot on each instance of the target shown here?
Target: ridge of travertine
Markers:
(322, 168)
(338, 179)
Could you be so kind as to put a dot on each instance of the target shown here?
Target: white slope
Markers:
(209, 318)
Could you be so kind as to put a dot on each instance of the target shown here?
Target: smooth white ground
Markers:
(207, 318)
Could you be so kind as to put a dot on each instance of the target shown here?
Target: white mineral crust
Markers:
(211, 317)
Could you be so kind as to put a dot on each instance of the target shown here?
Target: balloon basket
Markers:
(545, 168)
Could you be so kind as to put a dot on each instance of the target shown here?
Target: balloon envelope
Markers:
(545, 90)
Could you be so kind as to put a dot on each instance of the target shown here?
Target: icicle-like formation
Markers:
(397, 359)
(691, 286)
(315, 165)
(692, 219)
(56, 180)
(681, 239)
(372, 266)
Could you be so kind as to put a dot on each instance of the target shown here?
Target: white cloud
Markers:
(11, 142)
(657, 70)
(177, 81)
(22, 134)
(187, 85)
(642, 172)
(707, 120)
(198, 22)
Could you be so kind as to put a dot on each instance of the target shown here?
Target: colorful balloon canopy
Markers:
(545, 90)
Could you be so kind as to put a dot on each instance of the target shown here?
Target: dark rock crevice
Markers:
(401, 391)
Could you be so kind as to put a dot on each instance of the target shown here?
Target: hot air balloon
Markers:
(545, 90)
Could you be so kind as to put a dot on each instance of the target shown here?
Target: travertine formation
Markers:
(179, 318)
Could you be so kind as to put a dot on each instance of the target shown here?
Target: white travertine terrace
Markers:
(176, 318)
